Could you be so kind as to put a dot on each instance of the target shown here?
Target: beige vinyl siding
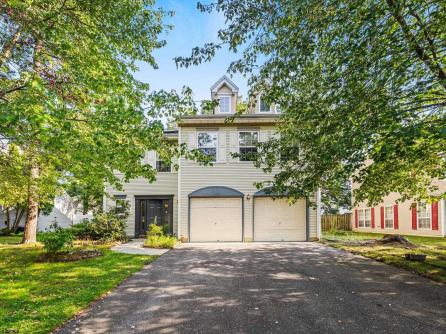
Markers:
(165, 184)
(227, 172)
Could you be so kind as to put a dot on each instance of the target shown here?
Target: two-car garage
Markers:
(217, 214)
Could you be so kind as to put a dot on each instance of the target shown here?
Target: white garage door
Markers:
(215, 219)
(275, 220)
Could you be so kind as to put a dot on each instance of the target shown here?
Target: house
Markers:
(65, 212)
(408, 217)
(218, 203)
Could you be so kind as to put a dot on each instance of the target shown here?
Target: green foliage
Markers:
(155, 230)
(51, 293)
(160, 241)
(56, 239)
(157, 238)
(69, 103)
(357, 81)
(107, 227)
(82, 230)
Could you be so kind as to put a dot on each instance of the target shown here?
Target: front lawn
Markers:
(434, 248)
(38, 297)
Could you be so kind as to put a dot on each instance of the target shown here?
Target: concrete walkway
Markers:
(267, 288)
(134, 246)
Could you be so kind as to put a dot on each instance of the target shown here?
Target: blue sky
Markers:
(191, 28)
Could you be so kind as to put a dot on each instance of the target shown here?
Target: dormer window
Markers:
(263, 106)
(225, 104)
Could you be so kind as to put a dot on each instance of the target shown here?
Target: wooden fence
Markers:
(340, 222)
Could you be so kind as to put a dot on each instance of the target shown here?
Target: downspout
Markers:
(318, 214)
(188, 220)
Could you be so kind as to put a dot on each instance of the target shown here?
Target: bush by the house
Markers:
(104, 226)
(157, 239)
(56, 239)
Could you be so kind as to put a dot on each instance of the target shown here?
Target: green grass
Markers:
(434, 248)
(38, 297)
(11, 239)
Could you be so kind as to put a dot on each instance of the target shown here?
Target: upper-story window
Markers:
(263, 106)
(278, 109)
(162, 166)
(225, 104)
(424, 215)
(207, 144)
(248, 141)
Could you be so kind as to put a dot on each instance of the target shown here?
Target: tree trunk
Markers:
(30, 235)
(7, 217)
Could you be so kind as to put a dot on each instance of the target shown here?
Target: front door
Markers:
(152, 211)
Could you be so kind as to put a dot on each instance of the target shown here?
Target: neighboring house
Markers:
(407, 217)
(65, 212)
(220, 202)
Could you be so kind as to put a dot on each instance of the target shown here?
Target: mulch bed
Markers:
(70, 256)
(387, 240)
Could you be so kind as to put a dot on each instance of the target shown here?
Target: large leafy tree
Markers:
(361, 83)
(68, 100)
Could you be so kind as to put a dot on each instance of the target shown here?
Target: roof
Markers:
(222, 120)
(224, 80)
(216, 191)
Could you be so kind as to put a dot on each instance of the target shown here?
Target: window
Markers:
(225, 104)
(364, 217)
(247, 141)
(207, 144)
(263, 107)
(388, 217)
(162, 166)
(278, 109)
(121, 205)
(424, 215)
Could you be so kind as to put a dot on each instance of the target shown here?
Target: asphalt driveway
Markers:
(267, 288)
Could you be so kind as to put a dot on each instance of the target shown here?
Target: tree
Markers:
(68, 98)
(361, 85)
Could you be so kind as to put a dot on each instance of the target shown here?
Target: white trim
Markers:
(224, 80)
(393, 217)
(216, 146)
(219, 96)
(258, 108)
(429, 210)
(238, 143)
(363, 219)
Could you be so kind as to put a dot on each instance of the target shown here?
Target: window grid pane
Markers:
(424, 215)
(207, 144)
(388, 217)
(367, 219)
(248, 145)
(225, 104)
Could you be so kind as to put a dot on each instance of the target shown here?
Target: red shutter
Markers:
(435, 215)
(382, 217)
(414, 216)
(356, 218)
(373, 217)
(395, 216)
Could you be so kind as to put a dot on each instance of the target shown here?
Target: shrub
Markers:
(56, 239)
(157, 239)
(155, 230)
(107, 227)
(82, 230)
(160, 241)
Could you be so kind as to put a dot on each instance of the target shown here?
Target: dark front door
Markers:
(153, 211)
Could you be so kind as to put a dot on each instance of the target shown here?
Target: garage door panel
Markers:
(276, 220)
(216, 219)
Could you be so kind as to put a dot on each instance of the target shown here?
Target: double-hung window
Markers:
(162, 166)
(248, 141)
(225, 104)
(388, 217)
(424, 215)
(364, 217)
(207, 144)
(263, 106)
